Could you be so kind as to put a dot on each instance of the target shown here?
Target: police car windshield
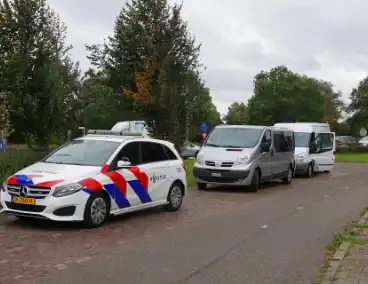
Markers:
(234, 137)
(302, 139)
(83, 152)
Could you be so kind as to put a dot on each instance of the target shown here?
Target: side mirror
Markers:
(123, 164)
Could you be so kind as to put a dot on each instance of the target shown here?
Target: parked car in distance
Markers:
(190, 150)
(345, 141)
(364, 141)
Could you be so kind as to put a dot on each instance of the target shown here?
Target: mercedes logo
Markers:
(23, 191)
(218, 164)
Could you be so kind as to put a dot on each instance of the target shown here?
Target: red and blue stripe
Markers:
(28, 180)
(118, 188)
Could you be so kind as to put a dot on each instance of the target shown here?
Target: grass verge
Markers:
(352, 157)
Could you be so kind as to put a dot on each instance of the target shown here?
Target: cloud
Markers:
(325, 39)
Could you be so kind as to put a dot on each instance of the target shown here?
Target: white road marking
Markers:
(264, 226)
(326, 196)
(300, 207)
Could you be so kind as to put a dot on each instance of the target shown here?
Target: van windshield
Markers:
(302, 139)
(234, 137)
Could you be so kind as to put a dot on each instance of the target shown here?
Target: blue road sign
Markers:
(204, 127)
(2, 146)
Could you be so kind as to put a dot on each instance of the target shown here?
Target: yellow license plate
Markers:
(24, 200)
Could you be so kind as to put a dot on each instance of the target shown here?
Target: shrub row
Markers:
(352, 149)
(14, 159)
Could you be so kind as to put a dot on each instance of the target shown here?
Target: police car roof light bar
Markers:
(116, 133)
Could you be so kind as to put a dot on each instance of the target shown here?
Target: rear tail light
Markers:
(184, 167)
(339, 143)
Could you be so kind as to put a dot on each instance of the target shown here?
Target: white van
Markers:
(314, 146)
(245, 155)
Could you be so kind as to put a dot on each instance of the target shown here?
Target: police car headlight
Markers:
(67, 189)
(242, 160)
(300, 156)
(200, 159)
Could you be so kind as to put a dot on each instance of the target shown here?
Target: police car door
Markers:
(156, 164)
(127, 183)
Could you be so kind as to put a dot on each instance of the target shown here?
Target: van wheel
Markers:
(96, 211)
(202, 186)
(310, 170)
(289, 178)
(256, 180)
(175, 197)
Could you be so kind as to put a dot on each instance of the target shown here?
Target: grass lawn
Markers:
(190, 179)
(352, 157)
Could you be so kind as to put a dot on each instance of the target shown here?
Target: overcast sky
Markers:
(326, 39)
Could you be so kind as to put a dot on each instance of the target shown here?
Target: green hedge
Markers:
(14, 159)
(352, 149)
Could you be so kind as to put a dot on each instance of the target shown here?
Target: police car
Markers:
(91, 177)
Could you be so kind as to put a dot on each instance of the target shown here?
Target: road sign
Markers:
(204, 127)
(2, 146)
(204, 135)
(363, 132)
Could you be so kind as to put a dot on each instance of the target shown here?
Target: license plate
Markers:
(216, 174)
(24, 200)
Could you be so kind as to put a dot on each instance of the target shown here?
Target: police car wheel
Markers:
(96, 211)
(175, 197)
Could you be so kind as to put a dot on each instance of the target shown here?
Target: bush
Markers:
(14, 159)
(352, 149)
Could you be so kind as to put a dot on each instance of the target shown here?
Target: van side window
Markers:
(324, 142)
(289, 142)
(277, 141)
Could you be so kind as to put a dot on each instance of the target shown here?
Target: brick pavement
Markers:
(350, 262)
(353, 269)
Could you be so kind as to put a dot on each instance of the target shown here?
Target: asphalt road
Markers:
(277, 235)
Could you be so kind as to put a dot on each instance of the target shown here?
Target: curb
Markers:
(338, 256)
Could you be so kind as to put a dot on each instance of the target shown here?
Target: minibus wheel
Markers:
(289, 178)
(256, 179)
(310, 170)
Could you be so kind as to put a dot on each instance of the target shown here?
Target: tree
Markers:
(203, 110)
(39, 78)
(100, 104)
(152, 58)
(236, 114)
(358, 107)
(281, 95)
(5, 126)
